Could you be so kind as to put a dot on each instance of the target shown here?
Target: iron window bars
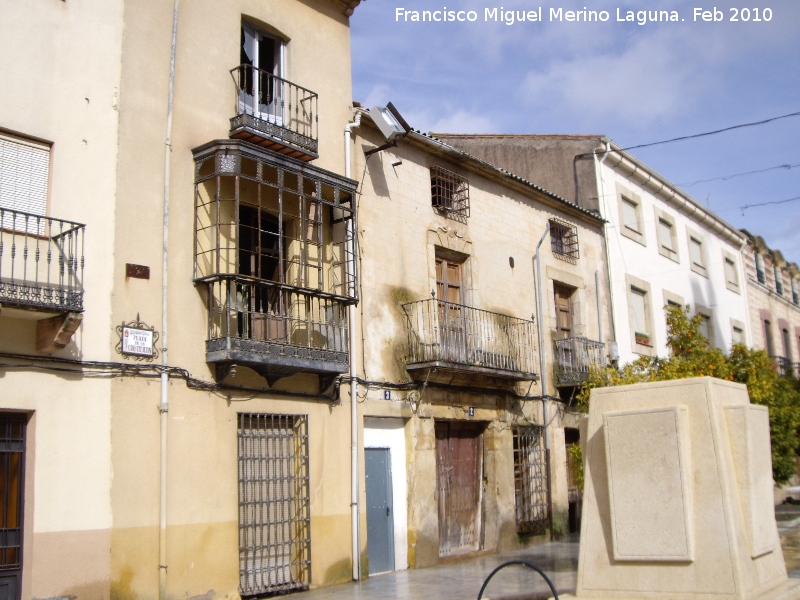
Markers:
(530, 479)
(273, 243)
(274, 516)
(450, 193)
(564, 240)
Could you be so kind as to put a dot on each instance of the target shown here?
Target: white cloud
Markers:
(462, 121)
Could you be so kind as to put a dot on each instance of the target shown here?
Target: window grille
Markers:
(450, 193)
(564, 240)
(530, 479)
(274, 518)
(12, 466)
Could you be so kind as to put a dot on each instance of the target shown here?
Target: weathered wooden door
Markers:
(563, 302)
(459, 467)
(451, 322)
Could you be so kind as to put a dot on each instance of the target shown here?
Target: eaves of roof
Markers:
(347, 6)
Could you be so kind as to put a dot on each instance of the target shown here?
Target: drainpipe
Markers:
(543, 370)
(598, 167)
(351, 318)
(164, 406)
(599, 306)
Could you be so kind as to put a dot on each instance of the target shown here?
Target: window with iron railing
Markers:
(564, 240)
(450, 193)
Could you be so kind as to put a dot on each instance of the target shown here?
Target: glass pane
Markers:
(696, 252)
(639, 321)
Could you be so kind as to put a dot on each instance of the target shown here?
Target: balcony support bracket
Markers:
(222, 370)
(326, 381)
(55, 333)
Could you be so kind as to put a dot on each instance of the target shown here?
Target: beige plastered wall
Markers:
(61, 76)
(399, 232)
(202, 512)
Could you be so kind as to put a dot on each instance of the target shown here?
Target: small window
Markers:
(778, 279)
(731, 272)
(768, 338)
(629, 215)
(737, 335)
(665, 235)
(705, 327)
(564, 240)
(450, 193)
(696, 252)
(638, 301)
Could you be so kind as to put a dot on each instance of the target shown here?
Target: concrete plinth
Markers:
(678, 496)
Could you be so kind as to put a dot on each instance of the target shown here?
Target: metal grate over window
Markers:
(564, 240)
(530, 479)
(450, 193)
(274, 518)
(12, 465)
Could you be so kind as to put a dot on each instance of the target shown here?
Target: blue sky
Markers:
(634, 83)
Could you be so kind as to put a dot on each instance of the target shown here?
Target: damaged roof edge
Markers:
(428, 139)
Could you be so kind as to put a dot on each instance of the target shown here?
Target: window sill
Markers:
(633, 235)
(700, 270)
(670, 254)
(733, 287)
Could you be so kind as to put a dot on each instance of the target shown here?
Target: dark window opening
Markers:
(450, 193)
(564, 240)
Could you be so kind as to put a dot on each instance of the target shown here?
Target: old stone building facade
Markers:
(449, 311)
(773, 293)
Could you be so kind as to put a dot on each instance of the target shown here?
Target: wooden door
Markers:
(451, 324)
(459, 468)
(563, 302)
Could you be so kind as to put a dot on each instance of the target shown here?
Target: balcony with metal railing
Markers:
(574, 358)
(275, 113)
(41, 262)
(784, 366)
(453, 338)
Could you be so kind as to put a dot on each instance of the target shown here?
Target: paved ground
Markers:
(463, 579)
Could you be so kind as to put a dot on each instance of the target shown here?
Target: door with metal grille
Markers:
(459, 467)
(274, 518)
(12, 471)
(530, 479)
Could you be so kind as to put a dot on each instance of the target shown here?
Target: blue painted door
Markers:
(380, 511)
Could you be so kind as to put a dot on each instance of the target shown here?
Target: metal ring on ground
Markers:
(518, 562)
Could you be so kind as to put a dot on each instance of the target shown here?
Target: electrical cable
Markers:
(742, 174)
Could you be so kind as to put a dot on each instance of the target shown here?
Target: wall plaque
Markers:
(137, 340)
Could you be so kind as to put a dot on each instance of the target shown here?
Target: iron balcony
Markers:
(41, 262)
(574, 357)
(275, 113)
(784, 366)
(445, 336)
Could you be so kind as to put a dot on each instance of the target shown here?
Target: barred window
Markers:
(274, 519)
(564, 240)
(530, 479)
(450, 193)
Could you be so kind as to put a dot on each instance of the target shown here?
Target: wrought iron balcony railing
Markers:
(274, 329)
(574, 357)
(783, 366)
(275, 113)
(454, 336)
(41, 262)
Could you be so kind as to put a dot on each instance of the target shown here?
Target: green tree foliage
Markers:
(691, 356)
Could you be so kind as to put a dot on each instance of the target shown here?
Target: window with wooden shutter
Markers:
(639, 314)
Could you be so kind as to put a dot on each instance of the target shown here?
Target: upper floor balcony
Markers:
(456, 339)
(41, 263)
(274, 256)
(785, 367)
(574, 358)
(275, 113)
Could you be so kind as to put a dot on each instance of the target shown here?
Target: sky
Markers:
(635, 83)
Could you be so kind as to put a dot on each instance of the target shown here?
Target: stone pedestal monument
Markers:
(678, 496)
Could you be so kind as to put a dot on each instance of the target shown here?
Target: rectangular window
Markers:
(738, 335)
(564, 240)
(768, 338)
(778, 280)
(731, 276)
(787, 346)
(705, 327)
(665, 235)
(638, 301)
(450, 193)
(24, 174)
(530, 479)
(696, 252)
(274, 517)
(630, 218)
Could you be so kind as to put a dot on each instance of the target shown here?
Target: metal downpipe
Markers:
(164, 405)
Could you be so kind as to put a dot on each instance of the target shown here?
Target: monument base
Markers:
(788, 590)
